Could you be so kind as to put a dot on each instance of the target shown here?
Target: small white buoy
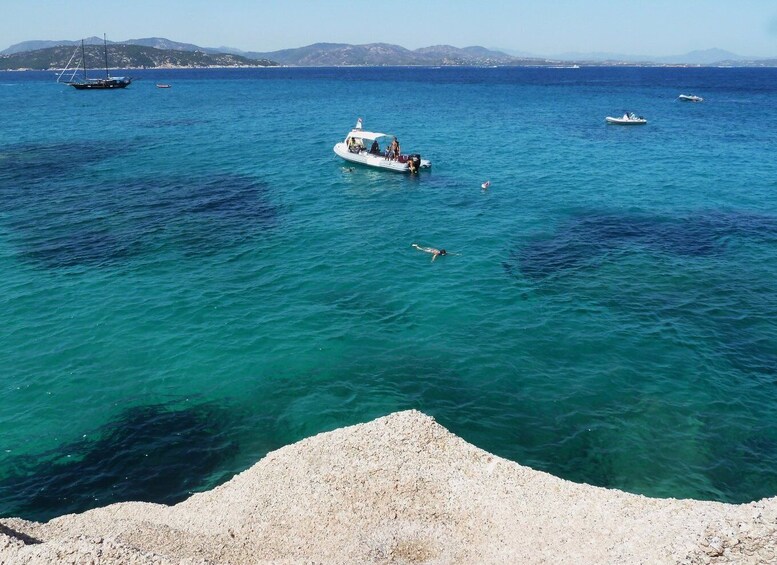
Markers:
(485, 185)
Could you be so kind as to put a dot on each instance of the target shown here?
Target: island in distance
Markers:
(158, 52)
(124, 56)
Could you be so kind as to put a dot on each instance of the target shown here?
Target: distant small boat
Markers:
(690, 98)
(628, 119)
(162, 85)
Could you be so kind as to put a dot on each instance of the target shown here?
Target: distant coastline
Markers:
(153, 53)
(539, 66)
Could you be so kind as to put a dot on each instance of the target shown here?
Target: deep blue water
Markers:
(190, 278)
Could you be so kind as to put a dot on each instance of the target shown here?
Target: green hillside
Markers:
(122, 56)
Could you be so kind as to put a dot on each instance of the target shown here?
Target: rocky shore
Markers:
(400, 489)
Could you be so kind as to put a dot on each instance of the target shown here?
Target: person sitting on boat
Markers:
(353, 146)
(375, 148)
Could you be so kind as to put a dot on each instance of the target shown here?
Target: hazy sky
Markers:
(649, 27)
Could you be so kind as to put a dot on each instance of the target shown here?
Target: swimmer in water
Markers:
(435, 252)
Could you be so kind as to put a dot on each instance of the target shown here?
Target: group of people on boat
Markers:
(393, 151)
(389, 156)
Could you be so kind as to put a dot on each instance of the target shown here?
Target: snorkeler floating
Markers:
(432, 250)
(485, 185)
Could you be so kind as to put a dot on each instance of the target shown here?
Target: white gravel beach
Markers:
(400, 489)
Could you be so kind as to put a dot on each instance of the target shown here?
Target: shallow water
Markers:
(190, 274)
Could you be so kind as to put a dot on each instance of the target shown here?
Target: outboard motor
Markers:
(415, 162)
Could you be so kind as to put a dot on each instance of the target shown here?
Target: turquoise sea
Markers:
(189, 277)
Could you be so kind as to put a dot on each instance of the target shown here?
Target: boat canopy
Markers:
(369, 135)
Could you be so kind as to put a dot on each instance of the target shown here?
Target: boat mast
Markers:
(83, 58)
(105, 43)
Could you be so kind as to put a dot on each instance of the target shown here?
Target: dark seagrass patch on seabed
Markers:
(583, 241)
(742, 464)
(102, 224)
(150, 453)
(85, 246)
(25, 163)
(222, 210)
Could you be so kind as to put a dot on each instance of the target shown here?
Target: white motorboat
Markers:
(628, 119)
(690, 98)
(374, 150)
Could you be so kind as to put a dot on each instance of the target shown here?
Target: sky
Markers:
(540, 27)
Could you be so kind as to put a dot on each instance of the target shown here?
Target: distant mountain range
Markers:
(343, 54)
(702, 57)
(155, 42)
(122, 56)
(156, 52)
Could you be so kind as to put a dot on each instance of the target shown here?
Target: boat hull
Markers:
(622, 122)
(375, 161)
(105, 84)
(690, 98)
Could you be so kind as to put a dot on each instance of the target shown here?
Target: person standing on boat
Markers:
(393, 151)
(395, 148)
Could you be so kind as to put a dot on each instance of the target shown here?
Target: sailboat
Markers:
(107, 83)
